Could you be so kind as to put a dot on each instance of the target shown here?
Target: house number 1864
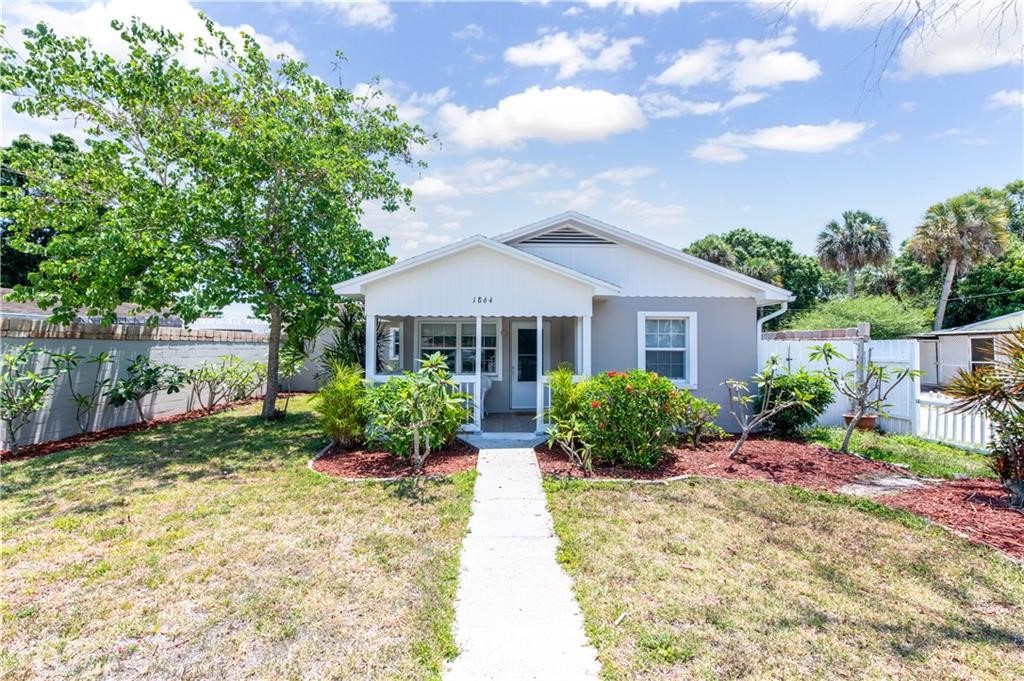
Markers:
(483, 299)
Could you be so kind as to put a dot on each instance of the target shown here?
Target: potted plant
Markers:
(865, 422)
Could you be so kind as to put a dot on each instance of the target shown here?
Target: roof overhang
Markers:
(765, 293)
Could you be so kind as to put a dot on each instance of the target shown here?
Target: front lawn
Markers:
(722, 579)
(926, 458)
(208, 549)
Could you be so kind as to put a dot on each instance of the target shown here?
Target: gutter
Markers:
(773, 315)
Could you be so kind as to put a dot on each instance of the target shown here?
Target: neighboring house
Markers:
(124, 313)
(946, 352)
(569, 289)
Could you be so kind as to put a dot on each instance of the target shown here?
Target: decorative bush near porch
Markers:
(724, 579)
(208, 548)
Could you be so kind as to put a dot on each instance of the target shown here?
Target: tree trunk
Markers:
(845, 449)
(12, 435)
(850, 282)
(947, 286)
(273, 354)
(739, 443)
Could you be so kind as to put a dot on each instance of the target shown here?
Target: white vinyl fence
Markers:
(927, 415)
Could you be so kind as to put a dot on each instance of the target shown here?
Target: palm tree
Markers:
(960, 233)
(860, 241)
(714, 248)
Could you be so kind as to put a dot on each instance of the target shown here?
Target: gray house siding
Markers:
(726, 343)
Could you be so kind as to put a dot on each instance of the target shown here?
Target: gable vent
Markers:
(567, 234)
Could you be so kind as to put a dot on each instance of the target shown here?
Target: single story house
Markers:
(944, 353)
(569, 289)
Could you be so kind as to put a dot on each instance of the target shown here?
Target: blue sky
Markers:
(673, 120)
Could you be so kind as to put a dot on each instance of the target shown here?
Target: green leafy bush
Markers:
(340, 405)
(889, 318)
(146, 377)
(617, 418)
(23, 388)
(413, 414)
(817, 392)
(697, 418)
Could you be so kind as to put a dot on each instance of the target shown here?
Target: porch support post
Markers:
(540, 374)
(478, 396)
(577, 356)
(371, 346)
(585, 369)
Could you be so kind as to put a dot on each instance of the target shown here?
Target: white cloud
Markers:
(483, 176)
(416, 235)
(560, 114)
(844, 14)
(665, 105)
(650, 214)
(360, 13)
(808, 139)
(93, 21)
(630, 7)
(745, 65)
(624, 176)
(411, 106)
(573, 11)
(1011, 98)
(588, 191)
(891, 137)
(469, 32)
(584, 51)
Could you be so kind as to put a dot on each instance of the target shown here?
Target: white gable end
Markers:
(478, 280)
(638, 272)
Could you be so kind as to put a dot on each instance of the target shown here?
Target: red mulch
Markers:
(791, 463)
(81, 439)
(375, 464)
(977, 508)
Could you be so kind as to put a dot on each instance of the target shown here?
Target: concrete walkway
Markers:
(515, 615)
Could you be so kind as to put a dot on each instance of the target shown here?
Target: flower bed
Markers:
(375, 464)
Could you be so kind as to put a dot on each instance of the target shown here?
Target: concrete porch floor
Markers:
(511, 422)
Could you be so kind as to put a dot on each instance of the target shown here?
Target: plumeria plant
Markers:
(753, 411)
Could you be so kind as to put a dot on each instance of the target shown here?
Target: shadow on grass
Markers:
(214, 447)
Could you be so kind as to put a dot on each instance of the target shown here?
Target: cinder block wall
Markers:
(182, 347)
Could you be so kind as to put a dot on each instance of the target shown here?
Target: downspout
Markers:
(773, 315)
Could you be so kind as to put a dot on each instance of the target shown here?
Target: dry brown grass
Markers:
(208, 550)
(719, 579)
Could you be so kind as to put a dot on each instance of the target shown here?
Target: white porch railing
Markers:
(467, 384)
(971, 430)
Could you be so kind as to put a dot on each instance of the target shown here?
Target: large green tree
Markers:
(773, 260)
(241, 181)
(960, 233)
(993, 288)
(860, 240)
(15, 264)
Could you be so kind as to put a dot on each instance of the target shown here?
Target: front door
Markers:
(525, 363)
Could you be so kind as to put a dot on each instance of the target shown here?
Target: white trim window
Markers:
(667, 345)
(456, 340)
(393, 350)
(983, 352)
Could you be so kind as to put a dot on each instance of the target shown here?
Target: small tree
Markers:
(146, 377)
(998, 392)
(85, 402)
(865, 387)
(771, 401)
(23, 389)
(414, 413)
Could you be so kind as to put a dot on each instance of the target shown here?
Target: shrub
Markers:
(697, 418)
(617, 418)
(23, 388)
(341, 405)
(413, 414)
(768, 400)
(819, 395)
(889, 318)
(146, 377)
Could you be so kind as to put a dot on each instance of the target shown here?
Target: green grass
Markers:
(208, 548)
(926, 458)
(707, 579)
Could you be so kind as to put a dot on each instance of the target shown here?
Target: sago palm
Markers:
(860, 240)
(998, 391)
(959, 233)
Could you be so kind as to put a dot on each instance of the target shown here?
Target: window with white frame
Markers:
(457, 342)
(393, 351)
(666, 345)
(983, 353)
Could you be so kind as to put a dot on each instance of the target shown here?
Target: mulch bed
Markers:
(82, 439)
(790, 463)
(362, 463)
(976, 508)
